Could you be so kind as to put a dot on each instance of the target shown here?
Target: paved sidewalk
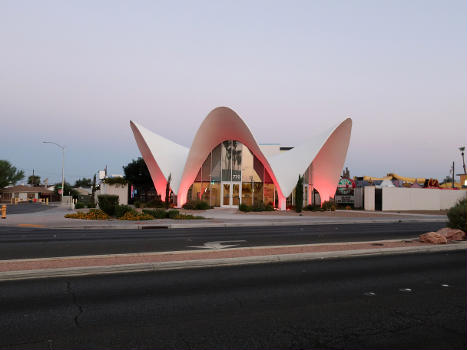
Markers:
(138, 262)
(219, 217)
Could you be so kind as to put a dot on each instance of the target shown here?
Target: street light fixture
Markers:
(462, 149)
(63, 164)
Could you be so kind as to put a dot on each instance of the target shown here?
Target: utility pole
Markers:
(453, 175)
(63, 164)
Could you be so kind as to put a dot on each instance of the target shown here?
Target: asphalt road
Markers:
(398, 301)
(23, 208)
(18, 242)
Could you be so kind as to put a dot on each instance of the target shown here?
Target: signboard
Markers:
(339, 199)
(345, 187)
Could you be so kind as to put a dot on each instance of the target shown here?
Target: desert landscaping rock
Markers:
(452, 234)
(434, 238)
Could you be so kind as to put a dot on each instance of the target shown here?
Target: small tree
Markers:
(167, 191)
(137, 174)
(84, 182)
(68, 190)
(93, 188)
(9, 175)
(34, 180)
(299, 195)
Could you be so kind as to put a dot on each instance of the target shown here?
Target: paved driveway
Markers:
(23, 208)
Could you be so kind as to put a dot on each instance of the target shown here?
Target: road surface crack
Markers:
(75, 302)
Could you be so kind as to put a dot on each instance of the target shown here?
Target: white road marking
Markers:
(369, 294)
(217, 244)
(445, 285)
(405, 290)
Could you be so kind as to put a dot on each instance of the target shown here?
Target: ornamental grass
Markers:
(93, 214)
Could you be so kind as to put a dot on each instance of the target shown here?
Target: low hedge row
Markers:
(256, 207)
(196, 205)
(162, 214)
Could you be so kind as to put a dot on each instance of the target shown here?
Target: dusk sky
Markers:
(77, 72)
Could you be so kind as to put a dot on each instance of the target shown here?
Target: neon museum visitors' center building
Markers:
(225, 166)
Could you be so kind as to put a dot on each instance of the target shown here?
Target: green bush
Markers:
(157, 203)
(328, 205)
(121, 210)
(196, 205)
(108, 203)
(262, 207)
(156, 214)
(91, 204)
(312, 207)
(173, 214)
(137, 204)
(256, 207)
(243, 207)
(79, 205)
(457, 214)
(299, 195)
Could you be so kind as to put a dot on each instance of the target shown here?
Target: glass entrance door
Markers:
(226, 194)
(235, 194)
(231, 194)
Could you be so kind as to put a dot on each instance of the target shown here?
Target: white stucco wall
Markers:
(395, 198)
(449, 198)
(369, 198)
(120, 190)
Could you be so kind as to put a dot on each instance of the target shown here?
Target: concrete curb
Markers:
(299, 222)
(204, 263)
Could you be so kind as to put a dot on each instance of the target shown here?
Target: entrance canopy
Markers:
(323, 155)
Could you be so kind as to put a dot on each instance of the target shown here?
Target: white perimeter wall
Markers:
(395, 198)
(369, 198)
(120, 190)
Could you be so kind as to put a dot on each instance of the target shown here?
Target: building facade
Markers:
(225, 166)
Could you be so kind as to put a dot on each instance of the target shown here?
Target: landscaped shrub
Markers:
(157, 203)
(328, 205)
(312, 207)
(134, 215)
(256, 207)
(196, 205)
(121, 210)
(93, 214)
(299, 195)
(172, 214)
(457, 215)
(107, 203)
(137, 204)
(79, 205)
(157, 213)
(243, 207)
(262, 207)
(91, 204)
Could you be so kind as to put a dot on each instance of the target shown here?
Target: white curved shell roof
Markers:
(325, 153)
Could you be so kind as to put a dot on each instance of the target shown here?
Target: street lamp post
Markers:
(63, 164)
(462, 149)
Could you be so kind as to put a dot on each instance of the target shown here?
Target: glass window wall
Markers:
(228, 164)
(216, 164)
(236, 161)
(227, 161)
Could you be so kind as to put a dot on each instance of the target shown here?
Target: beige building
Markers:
(24, 193)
